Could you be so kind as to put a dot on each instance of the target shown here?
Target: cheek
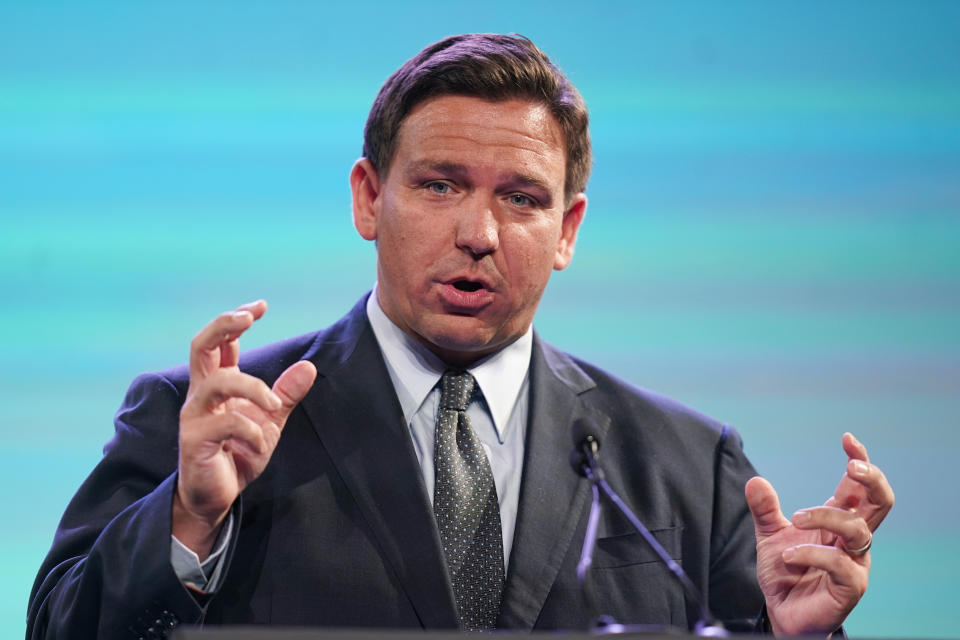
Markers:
(409, 220)
(399, 230)
(533, 250)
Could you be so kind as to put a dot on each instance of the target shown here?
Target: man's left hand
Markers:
(813, 569)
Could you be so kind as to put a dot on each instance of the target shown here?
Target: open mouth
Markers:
(466, 296)
(467, 285)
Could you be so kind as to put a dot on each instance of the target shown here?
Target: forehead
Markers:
(483, 133)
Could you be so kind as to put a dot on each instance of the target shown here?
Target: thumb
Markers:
(765, 507)
(292, 385)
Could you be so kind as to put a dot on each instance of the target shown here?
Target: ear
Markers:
(572, 218)
(365, 186)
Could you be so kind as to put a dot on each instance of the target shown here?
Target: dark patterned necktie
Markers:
(466, 506)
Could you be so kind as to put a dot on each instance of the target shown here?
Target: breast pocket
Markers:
(631, 548)
(631, 583)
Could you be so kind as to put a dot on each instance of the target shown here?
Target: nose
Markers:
(478, 230)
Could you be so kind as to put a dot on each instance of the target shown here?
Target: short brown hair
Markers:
(488, 66)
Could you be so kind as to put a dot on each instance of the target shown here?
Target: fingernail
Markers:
(240, 314)
(275, 402)
(860, 468)
(788, 554)
(801, 517)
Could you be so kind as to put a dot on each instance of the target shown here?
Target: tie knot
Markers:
(456, 390)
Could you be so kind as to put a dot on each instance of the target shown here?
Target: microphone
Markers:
(583, 459)
(586, 446)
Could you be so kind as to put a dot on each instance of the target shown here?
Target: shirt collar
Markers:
(415, 370)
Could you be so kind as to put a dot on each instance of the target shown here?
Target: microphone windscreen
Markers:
(585, 429)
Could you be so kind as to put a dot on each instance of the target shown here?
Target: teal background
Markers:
(773, 234)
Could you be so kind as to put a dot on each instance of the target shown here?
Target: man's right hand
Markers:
(229, 426)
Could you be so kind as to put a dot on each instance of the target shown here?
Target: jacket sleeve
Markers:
(733, 593)
(108, 572)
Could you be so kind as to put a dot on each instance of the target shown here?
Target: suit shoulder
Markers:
(643, 406)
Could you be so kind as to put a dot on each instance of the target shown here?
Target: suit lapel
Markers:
(552, 496)
(360, 423)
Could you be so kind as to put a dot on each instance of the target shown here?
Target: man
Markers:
(407, 466)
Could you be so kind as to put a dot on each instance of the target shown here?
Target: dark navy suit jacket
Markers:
(338, 530)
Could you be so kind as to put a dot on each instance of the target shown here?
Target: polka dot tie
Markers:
(466, 506)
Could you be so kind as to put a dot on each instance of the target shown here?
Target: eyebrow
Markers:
(532, 182)
(447, 168)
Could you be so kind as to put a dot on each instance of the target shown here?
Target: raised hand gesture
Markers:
(813, 569)
(230, 424)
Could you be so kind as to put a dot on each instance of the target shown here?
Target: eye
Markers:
(520, 200)
(439, 188)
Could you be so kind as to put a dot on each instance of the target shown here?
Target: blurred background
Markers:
(773, 234)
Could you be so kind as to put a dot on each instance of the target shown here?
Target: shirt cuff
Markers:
(204, 577)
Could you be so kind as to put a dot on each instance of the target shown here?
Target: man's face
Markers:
(469, 222)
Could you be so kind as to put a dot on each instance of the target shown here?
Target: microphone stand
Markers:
(585, 461)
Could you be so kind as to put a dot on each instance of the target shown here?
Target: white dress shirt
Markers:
(498, 415)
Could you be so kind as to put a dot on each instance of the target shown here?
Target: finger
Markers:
(854, 449)
(292, 385)
(225, 384)
(825, 536)
(847, 525)
(230, 350)
(864, 486)
(219, 427)
(844, 569)
(229, 353)
(765, 507)
(878, 493)
(873, 480)
(205, 355)
(849, 493)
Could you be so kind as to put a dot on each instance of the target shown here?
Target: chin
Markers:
(461, 344)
